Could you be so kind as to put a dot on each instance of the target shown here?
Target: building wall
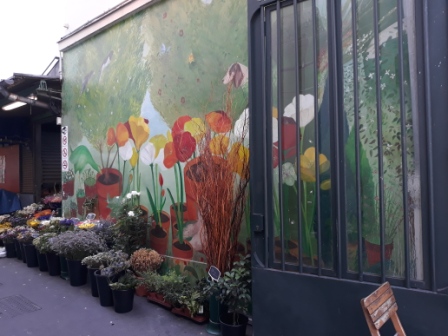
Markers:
(138, 96)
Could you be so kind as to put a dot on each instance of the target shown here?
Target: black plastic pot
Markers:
(92, 280)
(104, 291)
(214, 326)
(53, 263)
(42, 261)
(10, 250)
(31, 256)
(230, 329)
(1, 243)
(123, 300)
(22, 250)
(18, 250)
(77, 273)
(64, 267)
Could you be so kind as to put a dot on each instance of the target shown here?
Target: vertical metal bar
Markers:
(266, 135)
(356, 130)
(380, 136)
(429, 146)
(334, 53)
(404, 162)
(298, 143)
(280, 134)
(316, 138)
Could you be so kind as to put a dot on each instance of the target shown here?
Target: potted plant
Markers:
(94, 263)
(44, 247)
(123, 292)
(115, 264)
(144, 260)
(8, 237)
(75, 246)
(41, 259)
(89, 177)
(181, 247)
(68, 183)
(80, 199)
(152, 282)
(130, 228)
(26, 239)
(234, 293)
(158, 235)
(190, 303)
(393, 215)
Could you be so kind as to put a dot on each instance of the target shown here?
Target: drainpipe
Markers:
(13, 97)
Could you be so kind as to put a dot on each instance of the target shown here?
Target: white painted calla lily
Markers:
(126, 150)
(289, 175)
(306, 109)
(241, 128)
(274, 130)
(148, 153)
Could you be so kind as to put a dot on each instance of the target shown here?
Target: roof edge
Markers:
(109, 18)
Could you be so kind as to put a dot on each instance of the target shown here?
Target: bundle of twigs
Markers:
(221, 181)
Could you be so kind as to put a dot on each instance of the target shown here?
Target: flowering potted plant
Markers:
(75, 246)
(123, 292)
(44, 247)
(130, 228)
(144, 260)
(113, 263)
(26, 238)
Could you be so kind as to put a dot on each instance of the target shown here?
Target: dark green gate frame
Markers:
(316, 303)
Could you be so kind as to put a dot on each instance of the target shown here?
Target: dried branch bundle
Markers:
(220, 178)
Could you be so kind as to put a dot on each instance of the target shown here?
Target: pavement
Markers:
(35, 303)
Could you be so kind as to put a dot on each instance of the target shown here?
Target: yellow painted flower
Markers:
(308, 165)
(134, 159)
(219, 144)
(239, 159)
(196, 127)
(159, 141)
(139, 130)
(326, 185)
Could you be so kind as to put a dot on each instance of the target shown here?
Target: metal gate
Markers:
(338, 154)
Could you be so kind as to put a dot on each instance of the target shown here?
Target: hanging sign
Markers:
(64, 148)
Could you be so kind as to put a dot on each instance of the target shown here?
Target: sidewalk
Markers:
(51, 307)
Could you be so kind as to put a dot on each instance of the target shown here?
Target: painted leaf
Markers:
(81, 157)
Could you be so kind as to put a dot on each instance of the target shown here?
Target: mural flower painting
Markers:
(139, 130)
(239, 159)
(306, 105)
(237, 75)
(196, 127)
(219, 121)
(289, 176)
(241, 128)
(170, 158)
(219, 144)
(308, 165)
(184, 146)
(126, 151)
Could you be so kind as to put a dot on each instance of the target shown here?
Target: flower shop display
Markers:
(25, 238)
(75, 246)
(144, 260)
(8, 237)
(131, 225)
(234, 292)
(123, 292)
(113, 264)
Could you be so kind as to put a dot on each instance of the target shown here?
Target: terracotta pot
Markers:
(110, 187)
(90, 190)
(373, 252)
(182, 253)
(174, 219)
(80, 201)
(166, 221)
(185, 312)
(69, 188)
(141, 290)
(158, 240)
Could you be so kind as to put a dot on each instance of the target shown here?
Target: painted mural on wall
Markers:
(140, 98)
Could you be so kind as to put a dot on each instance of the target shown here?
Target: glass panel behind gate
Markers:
(301, 135)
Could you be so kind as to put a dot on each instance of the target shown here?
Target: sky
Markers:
(30, 30)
